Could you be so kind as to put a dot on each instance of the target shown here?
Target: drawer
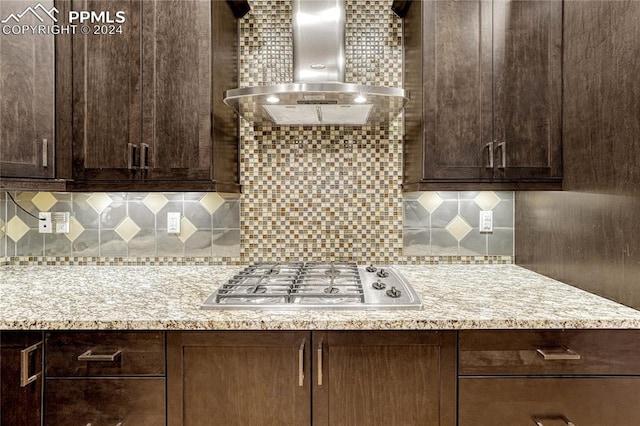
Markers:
(105, 402)
(517, 401)
(82, 354)
(552, 352)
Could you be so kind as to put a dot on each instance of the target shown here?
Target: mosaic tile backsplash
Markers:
(126, 225)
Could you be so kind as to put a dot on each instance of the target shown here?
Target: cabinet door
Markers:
(20, 402)
(457, 89)
(106, 96)
(384, 378)
(516, 401)
(176, 87)
(239, 378)
(27, 98)
(527, 67)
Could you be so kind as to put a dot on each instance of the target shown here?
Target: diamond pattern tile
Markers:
(487, 200)
(99, 201)
(1, 229)
(44, 201)
(127, 229)
(211, 202)
(430, 201)
(187, 229)
(458, 227)
(75, 229)
(155, 202)
(16, 228)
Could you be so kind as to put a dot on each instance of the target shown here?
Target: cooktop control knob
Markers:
(394, 292)
(383, 274)
(371, 268)
(379, 285)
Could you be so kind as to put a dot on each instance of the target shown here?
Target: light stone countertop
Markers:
(169, 298)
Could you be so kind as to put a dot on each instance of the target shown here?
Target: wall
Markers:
(588, 235)
(312, 193)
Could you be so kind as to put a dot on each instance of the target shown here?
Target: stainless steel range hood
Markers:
(319, 95)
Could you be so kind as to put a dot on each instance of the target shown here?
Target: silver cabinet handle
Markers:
(320, 362)
(144, 156)
(117, 424)
(301, 364)
(502, 146)
(45, 153)
(131, 161)
(538, 420)
(489, 148)
(25, 379)
(557, 354)
(89, 356)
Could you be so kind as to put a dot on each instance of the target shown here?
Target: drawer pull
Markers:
(301, 364)
(538, 420)
(558, 354)
(88, 356)
(117, 424)
(320, 347)
(25, 379)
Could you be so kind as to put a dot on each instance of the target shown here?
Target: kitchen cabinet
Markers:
(105, 378)
(146, 104)
(20, 378)
(588, 377)
(27, 102)
(485, 79)
(384, 378)
(266, 378)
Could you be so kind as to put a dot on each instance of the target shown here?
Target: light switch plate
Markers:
(173, 222)
(486, 221)
(61, 222)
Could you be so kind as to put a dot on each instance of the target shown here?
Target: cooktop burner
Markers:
(315, 286)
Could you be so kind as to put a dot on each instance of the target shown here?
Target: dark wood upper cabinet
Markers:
(26, 99)
(147, 103)
(486, 85)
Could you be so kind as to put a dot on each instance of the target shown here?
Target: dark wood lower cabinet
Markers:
(20, 400)
(585, 401)
(384, 378)
(265, 378)
(105, 402)
(239, 378)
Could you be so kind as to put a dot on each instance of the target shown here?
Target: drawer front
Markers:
(105, 402)
(84, 354)
(516, 401)
(552, 352)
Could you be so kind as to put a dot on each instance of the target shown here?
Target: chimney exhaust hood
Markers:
(319, 96)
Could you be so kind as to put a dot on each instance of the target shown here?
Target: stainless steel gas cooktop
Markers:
(292, 286)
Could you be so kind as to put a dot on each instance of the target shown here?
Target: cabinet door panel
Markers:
(514, 401)
(385, 378)
(239, 378)
(27, 98)
(176, 40)
(527, 40)
(105, 402)
(457, 88)
(106, 95)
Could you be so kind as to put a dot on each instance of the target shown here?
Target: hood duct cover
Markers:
(319, 95)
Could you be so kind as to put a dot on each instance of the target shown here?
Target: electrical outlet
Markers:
(61, 222)
(173, 222)
(486, 221)
(45, 225)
